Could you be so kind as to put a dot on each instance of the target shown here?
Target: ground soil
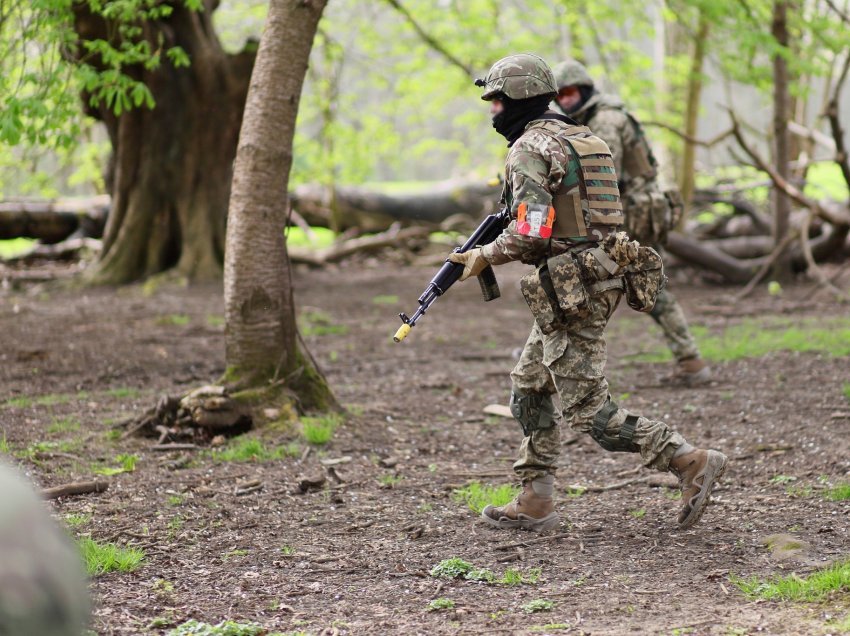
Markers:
(355, 558)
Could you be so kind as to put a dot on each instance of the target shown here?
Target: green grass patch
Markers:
(753, 339)
(319, 323)
(456, 568)
(123, 392)
(319, 430)
(319, 237)
(390, 481)
(177, 320)
(48, 446)
(4, 445)
(441, 604)
(77, 519)
(538, 605)
(845, 389)
(214, 320)
(840, 492)
(126, 464)
(825, 181)
(225, 628)
(251, 449)
(385, 300)
(101, 558)
(11, 248)
(816, 587)
(477, 496)
(64, 425)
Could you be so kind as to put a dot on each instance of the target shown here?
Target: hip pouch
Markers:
(554, 292)
(644, 278)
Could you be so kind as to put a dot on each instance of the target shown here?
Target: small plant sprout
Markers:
(538, 605)
(441, 604)
(320, 430)
(101, 558)
(477, 496)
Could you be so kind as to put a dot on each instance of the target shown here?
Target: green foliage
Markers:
(319, 430)
(44, 67)
(815, 587)
(755, 338)
(101, 558)
(251, 449)
(839, 492)
(4, 445)
(77, 519)
(538, 605)
(11, 248)
(319, 323)
(64, 425)
(126, 464)
(478, 496)
(456, 567)
(390, 299)
(441, 604)
(318, 238)
(178, 320)
(845, 389)
(225, 628)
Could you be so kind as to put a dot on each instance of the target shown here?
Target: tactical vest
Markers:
(590, 207)
(638, 160)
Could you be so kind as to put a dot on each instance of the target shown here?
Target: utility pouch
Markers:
(661, 217)
(567, 283)
(639, 217)
(489, 284)
(536, 288)
(644, 278)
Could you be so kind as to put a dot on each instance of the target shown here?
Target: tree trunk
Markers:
(260, 336)
(171, 169)
(781, 201)
(694, 89)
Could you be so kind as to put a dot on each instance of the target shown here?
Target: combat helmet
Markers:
(518, 76)
(571, 73)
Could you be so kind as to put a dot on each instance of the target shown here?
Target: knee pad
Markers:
(622, 442)
(533, 411)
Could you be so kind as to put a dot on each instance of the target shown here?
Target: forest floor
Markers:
(354, 557)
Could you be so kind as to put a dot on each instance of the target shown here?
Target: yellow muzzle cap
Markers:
(402, 332)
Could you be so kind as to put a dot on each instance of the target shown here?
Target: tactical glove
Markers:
(473, 262)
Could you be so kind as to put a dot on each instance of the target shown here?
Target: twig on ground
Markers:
(75, 488)
(527, 542)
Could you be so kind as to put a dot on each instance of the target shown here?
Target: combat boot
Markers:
(698, 470)
(533, 508)
(692, 372)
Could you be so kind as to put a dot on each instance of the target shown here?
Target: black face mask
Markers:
(517, 113)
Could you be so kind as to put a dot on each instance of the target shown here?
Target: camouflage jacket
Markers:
(608, 118)
(535, 168)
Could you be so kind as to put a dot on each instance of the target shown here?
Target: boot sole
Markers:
(522, 522)
(712, 474)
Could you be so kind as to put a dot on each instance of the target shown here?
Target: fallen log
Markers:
(372, 211)
(52, 221)
(343, 249)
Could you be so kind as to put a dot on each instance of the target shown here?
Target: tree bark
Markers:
(170, 172)
(781, 201)
(694, 92)
(260, 336)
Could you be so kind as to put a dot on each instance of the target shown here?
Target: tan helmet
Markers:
(518, 76)
(571, 73)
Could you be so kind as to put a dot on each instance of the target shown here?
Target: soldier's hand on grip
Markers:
(473, 262)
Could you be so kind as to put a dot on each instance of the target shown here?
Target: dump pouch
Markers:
(644, 278)
(677, 206)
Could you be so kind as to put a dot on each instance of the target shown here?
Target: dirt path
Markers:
(355, 558)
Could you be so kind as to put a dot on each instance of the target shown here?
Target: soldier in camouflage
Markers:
(649, 212)
(561, 188)
(43, 589)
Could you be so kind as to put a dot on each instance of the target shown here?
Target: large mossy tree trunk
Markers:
(171, 166)
(261, 341)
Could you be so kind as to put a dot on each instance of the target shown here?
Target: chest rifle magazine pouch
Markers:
(644, 279)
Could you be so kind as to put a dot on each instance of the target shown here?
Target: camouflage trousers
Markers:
(670, 317)
(570, 363)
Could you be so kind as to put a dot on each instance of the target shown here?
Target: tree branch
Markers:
(428, 39)
(693, 140)
(835, 124)
(837, 217)
(844, 17)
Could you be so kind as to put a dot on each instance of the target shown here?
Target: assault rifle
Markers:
(487, 232)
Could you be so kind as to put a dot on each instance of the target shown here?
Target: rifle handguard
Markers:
(489, 285)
